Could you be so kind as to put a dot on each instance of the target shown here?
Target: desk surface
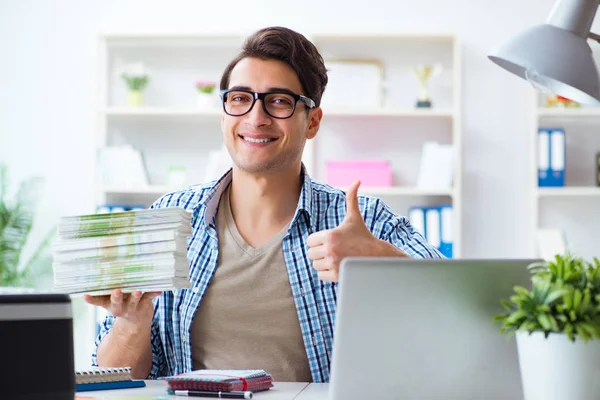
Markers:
(157, 390)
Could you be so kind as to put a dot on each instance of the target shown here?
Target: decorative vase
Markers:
(135, 98)
(206, 101)
(555, 368)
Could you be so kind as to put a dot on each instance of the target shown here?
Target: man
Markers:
(267, 240)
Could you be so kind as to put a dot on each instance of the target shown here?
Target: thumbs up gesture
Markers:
(351, 238)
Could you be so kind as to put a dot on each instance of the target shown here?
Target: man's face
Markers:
(257, 142)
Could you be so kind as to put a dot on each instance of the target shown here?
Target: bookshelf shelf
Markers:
(593, 112)
(150, 189)
(575, 191)
(404, 191)
(165, 112)
(408, 113)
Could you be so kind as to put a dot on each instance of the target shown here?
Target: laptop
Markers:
(423, 329)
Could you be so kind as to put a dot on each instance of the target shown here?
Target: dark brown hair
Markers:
(290, 47)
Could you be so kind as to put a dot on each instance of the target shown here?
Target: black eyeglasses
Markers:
(276, 104)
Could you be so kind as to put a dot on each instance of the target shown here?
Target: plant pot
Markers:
(207, 101)
(557, 368)
(135, 98)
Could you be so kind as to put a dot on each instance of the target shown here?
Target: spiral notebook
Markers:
(221, 380)
(104, 379)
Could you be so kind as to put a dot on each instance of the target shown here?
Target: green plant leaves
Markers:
(564, 298)
(16, 222)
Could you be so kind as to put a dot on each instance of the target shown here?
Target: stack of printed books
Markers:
(136, 250)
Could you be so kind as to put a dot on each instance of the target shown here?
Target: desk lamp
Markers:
(555, 57)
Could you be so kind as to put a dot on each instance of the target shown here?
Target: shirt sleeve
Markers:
(398, 231)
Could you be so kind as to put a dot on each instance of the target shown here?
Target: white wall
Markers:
(47, 89)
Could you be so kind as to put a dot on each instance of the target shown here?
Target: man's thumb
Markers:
(352, 209)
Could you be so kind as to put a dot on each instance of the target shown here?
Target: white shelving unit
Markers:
(397, 130)
(573, 208)
(169, 128)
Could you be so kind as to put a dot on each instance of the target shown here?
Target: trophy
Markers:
(424, 74)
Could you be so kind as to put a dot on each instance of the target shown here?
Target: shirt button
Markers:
(184, 337)
(195, 290)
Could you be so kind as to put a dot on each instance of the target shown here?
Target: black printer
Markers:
(36, 347)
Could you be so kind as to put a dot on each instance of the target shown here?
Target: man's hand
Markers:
(136, 308)
(351, 238)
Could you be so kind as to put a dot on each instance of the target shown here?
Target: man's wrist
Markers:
(130, 329)
(386, 249)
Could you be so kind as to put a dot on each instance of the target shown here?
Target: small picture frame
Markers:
(353, 84)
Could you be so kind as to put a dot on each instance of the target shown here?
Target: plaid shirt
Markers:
(320, 207)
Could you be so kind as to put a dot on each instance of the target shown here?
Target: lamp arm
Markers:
(594, 36)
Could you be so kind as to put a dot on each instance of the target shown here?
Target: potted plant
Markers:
(136, 78)
(206, 98)
(557, 327)
(16, 221)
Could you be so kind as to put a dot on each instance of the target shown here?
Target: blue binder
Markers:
(551, 157)
(447, 230)
(436, 226)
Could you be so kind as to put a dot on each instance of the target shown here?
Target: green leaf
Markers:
(507, 306)
(544, 321)
(520, 290)
(514, 317)
(560, 268)
(577, 296)
(572, 315)
(587, 298)
(562, 318)
(592, 330)
(581, 332)
(553, 323)
(568, 299)
(555, 295)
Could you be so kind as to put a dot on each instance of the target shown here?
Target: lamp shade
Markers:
(554, 60)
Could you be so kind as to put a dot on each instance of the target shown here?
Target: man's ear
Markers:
(314, 122)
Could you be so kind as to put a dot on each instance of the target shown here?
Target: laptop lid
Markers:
(423, 329)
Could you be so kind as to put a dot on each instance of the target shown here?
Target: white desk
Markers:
(158, 390)
(315, 391)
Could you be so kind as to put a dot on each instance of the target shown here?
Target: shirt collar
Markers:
(206, 209)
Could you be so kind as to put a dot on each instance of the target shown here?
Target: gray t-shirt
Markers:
(247, 319)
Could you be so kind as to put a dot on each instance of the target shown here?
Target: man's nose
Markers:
(257, 116)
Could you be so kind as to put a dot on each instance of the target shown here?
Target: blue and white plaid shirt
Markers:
(320, 207)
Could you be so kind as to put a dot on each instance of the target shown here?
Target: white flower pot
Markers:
(557, 368)
(207, 101)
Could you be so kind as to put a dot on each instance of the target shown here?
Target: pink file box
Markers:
(369, 172)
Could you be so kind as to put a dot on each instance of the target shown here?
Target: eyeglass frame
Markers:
(308, 102)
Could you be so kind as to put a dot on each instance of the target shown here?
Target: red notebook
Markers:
(221, 380)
